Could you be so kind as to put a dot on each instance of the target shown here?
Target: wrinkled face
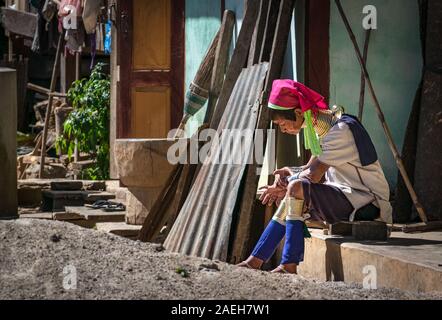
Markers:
(289, 126)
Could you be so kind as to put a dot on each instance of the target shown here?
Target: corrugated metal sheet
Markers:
(203, 226)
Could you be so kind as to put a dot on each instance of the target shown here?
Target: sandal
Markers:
(108, 206)
(281, 269)
(246, 265)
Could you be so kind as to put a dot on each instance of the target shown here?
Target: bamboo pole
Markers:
(363, 84)
(49, 108)
(381, 116)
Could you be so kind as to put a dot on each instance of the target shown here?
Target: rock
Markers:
(50, 171)
(209, 267)
(55, 238)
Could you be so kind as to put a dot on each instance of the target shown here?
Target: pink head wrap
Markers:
(289, 94)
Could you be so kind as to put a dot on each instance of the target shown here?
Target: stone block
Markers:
(340, 229)
(66, 185)
(370, 230)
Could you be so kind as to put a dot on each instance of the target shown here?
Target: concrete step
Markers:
(119, 228)
(91, 197)
(30, 191)
(411, 262)
(96, 215)
(39, 215)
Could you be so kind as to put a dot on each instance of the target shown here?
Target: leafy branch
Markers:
(88, 123)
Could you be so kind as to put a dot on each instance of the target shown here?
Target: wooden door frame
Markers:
(126, 79)
(317, 46)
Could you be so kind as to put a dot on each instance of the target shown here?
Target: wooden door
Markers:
(151, 60)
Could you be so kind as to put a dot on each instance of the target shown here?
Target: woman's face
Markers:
(289, 126)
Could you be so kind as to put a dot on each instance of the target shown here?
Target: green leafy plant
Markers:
(88, 123)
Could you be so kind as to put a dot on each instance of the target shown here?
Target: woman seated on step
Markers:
(343, 155)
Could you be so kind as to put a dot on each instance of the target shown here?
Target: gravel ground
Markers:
(33, 254)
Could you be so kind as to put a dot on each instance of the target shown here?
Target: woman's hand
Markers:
(281, 176)
(272, 194)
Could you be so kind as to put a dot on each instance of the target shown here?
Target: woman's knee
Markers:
(295, 190)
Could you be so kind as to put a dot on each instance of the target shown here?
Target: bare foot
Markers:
(251, 263)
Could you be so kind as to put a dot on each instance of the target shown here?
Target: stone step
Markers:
(56, 201)
(96, 215)
(39, 215)
(120, 229)
(410, 262)
(72, 185)
(91, 197)
(30, 191)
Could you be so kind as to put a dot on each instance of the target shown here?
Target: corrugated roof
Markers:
(203, 225)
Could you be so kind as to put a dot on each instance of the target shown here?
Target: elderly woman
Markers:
(343, 156)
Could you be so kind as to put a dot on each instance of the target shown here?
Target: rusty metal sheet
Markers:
(203, 225)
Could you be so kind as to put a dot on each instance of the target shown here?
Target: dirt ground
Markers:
(34, 255)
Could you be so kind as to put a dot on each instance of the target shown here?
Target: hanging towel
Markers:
(91, 11)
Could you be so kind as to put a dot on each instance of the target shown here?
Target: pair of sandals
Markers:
(279, 269)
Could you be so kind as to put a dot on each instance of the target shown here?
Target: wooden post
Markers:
(394, 150)
(49, 108)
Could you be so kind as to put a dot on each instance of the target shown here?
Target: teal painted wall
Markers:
(394, 63)
(203, 19)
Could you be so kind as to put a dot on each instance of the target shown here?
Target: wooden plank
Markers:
(245, 235)
(269, 32)
(221, 61)
(422, 227)
(238, 61)
(19, 22)
(258, 34)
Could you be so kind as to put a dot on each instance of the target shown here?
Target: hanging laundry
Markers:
(49, 10)
(46, 34)
(75, 39)
(67, 6)
(91, 11)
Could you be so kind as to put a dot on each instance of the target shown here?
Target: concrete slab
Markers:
(411, 262)
(96, 215)
(40, 215)
(119, 228)
(66, 216)
(92, 196)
